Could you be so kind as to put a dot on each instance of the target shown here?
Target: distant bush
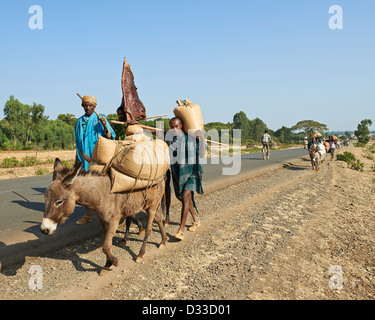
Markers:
(66, 163)
(41, 172)
(351, 160)
(25, 162)
(359, 144)
(10, 163)
(29, 161)
(357, 165)
(348, 157)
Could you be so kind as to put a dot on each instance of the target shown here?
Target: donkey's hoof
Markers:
(139, 260)
(104, 271)
(123, 243)
(162, 246)
(141, 232)
(115, 262)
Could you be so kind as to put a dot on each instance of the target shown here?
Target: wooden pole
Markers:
(157, 129)
(119, 122)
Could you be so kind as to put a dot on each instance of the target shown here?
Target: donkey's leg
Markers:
(167, 197)
(129, 220)
(126, 237)
(139, 224)
(151, 216)
(164, 237)
(109, 231)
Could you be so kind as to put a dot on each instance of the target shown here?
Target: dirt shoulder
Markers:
(291, 233)
(29, 171)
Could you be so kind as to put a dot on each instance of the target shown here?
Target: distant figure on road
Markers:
(305, 142)
(332, 147)
(266, 139)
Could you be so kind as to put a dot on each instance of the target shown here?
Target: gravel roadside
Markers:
(283, 235)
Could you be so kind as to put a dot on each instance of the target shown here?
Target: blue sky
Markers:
(275, 60)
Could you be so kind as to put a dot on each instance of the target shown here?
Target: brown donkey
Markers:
(92, 190)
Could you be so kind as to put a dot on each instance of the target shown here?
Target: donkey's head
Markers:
(313, 149)
(59, 198)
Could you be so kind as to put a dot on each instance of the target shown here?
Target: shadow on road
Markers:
(291, 166)
(37, 206)
(13, 256)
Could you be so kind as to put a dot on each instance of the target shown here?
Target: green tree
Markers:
(284, 134)
(35, 122)
(257, 129)
(363, 132)
(16, 119)
(58, 134)
(68, 118)
(308, 127)
(4, 141)
(241, 121)
(22, 121)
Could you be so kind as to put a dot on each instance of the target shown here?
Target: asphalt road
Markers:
(22, 204)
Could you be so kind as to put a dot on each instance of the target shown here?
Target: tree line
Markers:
(27, 127)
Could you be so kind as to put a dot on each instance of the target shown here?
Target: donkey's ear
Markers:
(69, 179)
(57, 169)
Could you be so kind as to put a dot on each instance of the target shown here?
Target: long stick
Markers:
(159, 116)
(157, 129)
(119, 122)
(222, 144)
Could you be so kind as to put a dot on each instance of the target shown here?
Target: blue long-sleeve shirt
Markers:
(87, 132)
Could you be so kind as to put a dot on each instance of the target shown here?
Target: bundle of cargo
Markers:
(134, 164)
(147, 160)
(333, 138)
(190, 114)
(326, 145)
(135, 133)
(317, 135)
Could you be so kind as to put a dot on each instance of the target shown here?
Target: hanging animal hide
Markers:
(133, 106)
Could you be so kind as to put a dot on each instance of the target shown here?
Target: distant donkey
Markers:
(92, 190)
(317, 155)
